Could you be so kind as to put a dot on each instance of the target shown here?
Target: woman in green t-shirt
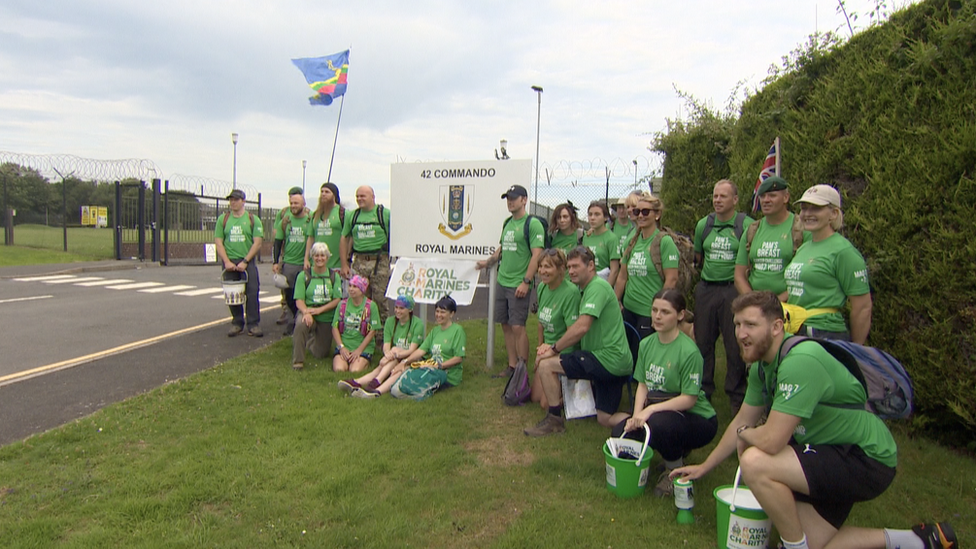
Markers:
(640, 280)
(353, 329)
(669, 399)
(602, 242)
(564, 227)
(559, 301)
(402, 335)
(316, 298)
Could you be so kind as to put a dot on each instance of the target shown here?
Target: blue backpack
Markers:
(885, 380)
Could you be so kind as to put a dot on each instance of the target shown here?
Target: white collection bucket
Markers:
(234, 290)
(740, 519)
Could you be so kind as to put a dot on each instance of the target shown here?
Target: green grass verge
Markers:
(18, 255)
(253, 454)
(84, 241)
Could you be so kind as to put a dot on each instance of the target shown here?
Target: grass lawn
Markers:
(84, 241)
(253, 454)
(19, 255)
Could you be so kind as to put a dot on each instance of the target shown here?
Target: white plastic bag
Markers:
(578, 399)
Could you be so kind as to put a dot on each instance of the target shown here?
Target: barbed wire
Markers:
(598, 170)
(208, 186)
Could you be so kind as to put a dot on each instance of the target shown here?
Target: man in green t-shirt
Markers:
(604, 357)
(289, 249)
(366, 237)
(517, 259)
(768, 245)
(238, 236)
(819, 450)
(716, 243)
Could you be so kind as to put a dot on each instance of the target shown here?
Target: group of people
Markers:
(818, 450)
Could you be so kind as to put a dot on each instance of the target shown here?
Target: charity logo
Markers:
(456, 203)
(408, 276)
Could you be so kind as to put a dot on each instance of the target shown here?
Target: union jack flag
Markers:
(769, 168)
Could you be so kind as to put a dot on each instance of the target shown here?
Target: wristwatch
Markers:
(526, 280)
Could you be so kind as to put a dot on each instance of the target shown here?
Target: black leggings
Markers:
(674, 434)
(640, 323)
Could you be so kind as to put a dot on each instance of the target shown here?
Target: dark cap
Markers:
(773, 183)
(514, 191)
(237, 193)
(295, 190)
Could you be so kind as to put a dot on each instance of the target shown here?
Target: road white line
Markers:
(72, 362)
(105, 282)
(167, 289)
(262, 294)
(74, 280)
(25, 298)
(204, 291)
(135, 286)
(48, 277)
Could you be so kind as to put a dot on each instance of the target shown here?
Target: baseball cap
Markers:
(237, 193)
(773, 183)
(295, 190)
(514, 191)
(821, 195)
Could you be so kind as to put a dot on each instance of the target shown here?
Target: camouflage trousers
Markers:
(375, 269)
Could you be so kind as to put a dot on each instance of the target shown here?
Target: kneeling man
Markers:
(820, 451)
(604, 359)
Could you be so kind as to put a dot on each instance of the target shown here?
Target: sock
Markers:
(802, 544)
(673, 464)
(902, 539)
(556, 411)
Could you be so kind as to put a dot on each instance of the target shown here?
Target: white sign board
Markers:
(451, 209)
(427, 280)
(210, 253)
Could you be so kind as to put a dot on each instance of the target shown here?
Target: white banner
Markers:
(427, 280)
(451, 209)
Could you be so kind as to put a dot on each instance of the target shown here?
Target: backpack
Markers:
(517, 390)
(885, 381)
(686, 258)
(740, 219)
(249, 215)
(308, 279)
(363, 323)
(379, 217)
(796, 232)
(547, 236)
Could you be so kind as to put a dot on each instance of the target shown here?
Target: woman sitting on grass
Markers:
(353, 329)
(317, 293)
(444, 348)
(402, 335)
(559, 301)
(669, 399)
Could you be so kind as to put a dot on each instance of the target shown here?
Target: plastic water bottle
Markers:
(684, 500)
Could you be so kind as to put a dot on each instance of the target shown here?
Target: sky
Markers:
(428, 81)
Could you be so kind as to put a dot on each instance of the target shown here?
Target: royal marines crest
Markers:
(456, 203)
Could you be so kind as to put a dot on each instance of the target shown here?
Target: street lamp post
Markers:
(304, 164)
(635, 173)
(233, 138)
(538, 121)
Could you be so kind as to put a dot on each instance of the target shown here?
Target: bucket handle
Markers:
(647, 438)
(735, 487)
(225, 271)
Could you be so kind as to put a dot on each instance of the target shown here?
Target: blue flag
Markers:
(326, 75)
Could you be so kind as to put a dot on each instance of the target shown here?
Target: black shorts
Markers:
(607, 388)
(840, 475)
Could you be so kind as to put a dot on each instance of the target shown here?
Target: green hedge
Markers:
(890, 119)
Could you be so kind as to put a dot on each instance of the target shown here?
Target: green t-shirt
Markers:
(239, 235)
(625, 238)
(558, 310)
(516, 254)
(560, 241)
(328, 230)
(293, 252)
(643, 280)
(605, 248)
(605, 338)
(719, 248)
(675, 368)
(443, 345)
(368, 236)
(770, 253)
(351, 337)
(403, 336)
(825, 274)
(803, 383)
(621, 231)
(321, 290)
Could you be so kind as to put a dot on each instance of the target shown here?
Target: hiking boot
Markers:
(348, 385)
(665, 487)
(549, 425)
(255, 332)
(937, 535)
(506, 373)
(289, 330)
(283, 319)
(234, 331)
(363, 393)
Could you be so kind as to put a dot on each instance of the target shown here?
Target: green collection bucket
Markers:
(741, 522)
(626, 476)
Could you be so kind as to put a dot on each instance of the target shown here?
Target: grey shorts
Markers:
(511, 310)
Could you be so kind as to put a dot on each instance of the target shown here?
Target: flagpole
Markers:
(336, 139)
(778, 170)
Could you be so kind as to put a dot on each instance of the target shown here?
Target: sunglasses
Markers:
(643, 212)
